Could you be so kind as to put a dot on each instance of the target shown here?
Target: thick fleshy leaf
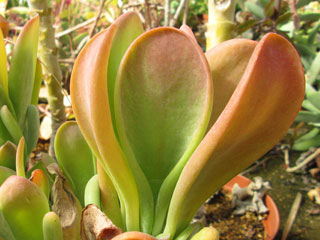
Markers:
(11, 124)
(40, 178)
(20, 159)
(258, 114)
(109, 198)
(37, 83)
(89, 94)
(74, 157)
(162, 98)
(3, 66)
(52, 227)
(31, 131)
(163, 102)
(227, 62)
(23, 205)
(5, 231)
(22, 68)
(134, 236)
(8, 155)
(92, 192)
(5, 173)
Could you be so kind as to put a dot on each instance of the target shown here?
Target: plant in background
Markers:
(19, 90)
(144, 102)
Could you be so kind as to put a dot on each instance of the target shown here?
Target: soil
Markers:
(285, 187)
(219, 214)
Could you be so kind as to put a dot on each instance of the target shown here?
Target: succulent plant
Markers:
(169, 125)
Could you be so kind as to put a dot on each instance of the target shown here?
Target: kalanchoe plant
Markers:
(19, 91)
(169, 125)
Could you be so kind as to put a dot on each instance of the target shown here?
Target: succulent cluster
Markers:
(160, 126)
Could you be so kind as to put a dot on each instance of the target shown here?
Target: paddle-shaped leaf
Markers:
(227, 61)
(163, 81)
(74, 157)
(89, 93)
(258, 114)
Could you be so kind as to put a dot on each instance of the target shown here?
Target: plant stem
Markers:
(167, 9)
(48, 52)
(221, 25)
(97, 18)
(177, 13)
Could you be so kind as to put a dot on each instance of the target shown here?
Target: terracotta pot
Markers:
(272, 221)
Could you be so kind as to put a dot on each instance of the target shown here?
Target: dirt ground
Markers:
(285, 187)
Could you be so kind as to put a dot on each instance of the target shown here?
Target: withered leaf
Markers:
(95, 225)
(65, 205)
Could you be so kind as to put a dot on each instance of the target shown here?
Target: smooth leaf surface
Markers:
(52, 227)
(5, 173)
(3, 66)
(258, 114)
(109, 198)
(20, 159)
(31, 131)
(163, 100)
(23, 205)
(89, 94)
(11, 124)
(228, 62)
(8, 155)
(40, 178)
(5, 231)
(22, 68)
(37, 83)
(74, 157)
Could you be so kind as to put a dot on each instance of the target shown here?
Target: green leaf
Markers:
(5, 231)
(306, 144)
(8, 155)
(163, 81)
(309, 106)
(309, 117)
(4, 174)
(314, 33)
(109, 198)
(11, 124)
(314, 71)
(74, 157)
(311, 134)
(309, 16)
(52, 227)
(255, 9)
(23, 205)
(314, 98)
(4, 134)
(31, 131)
(22, 69)
(92, 192)
(20, 159)
(3, 66)
(89, 94)
(36, 84)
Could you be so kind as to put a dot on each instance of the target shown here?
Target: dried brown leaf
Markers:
(65, 205)
(95, 225)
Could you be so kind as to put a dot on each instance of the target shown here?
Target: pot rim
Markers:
(272, 222)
